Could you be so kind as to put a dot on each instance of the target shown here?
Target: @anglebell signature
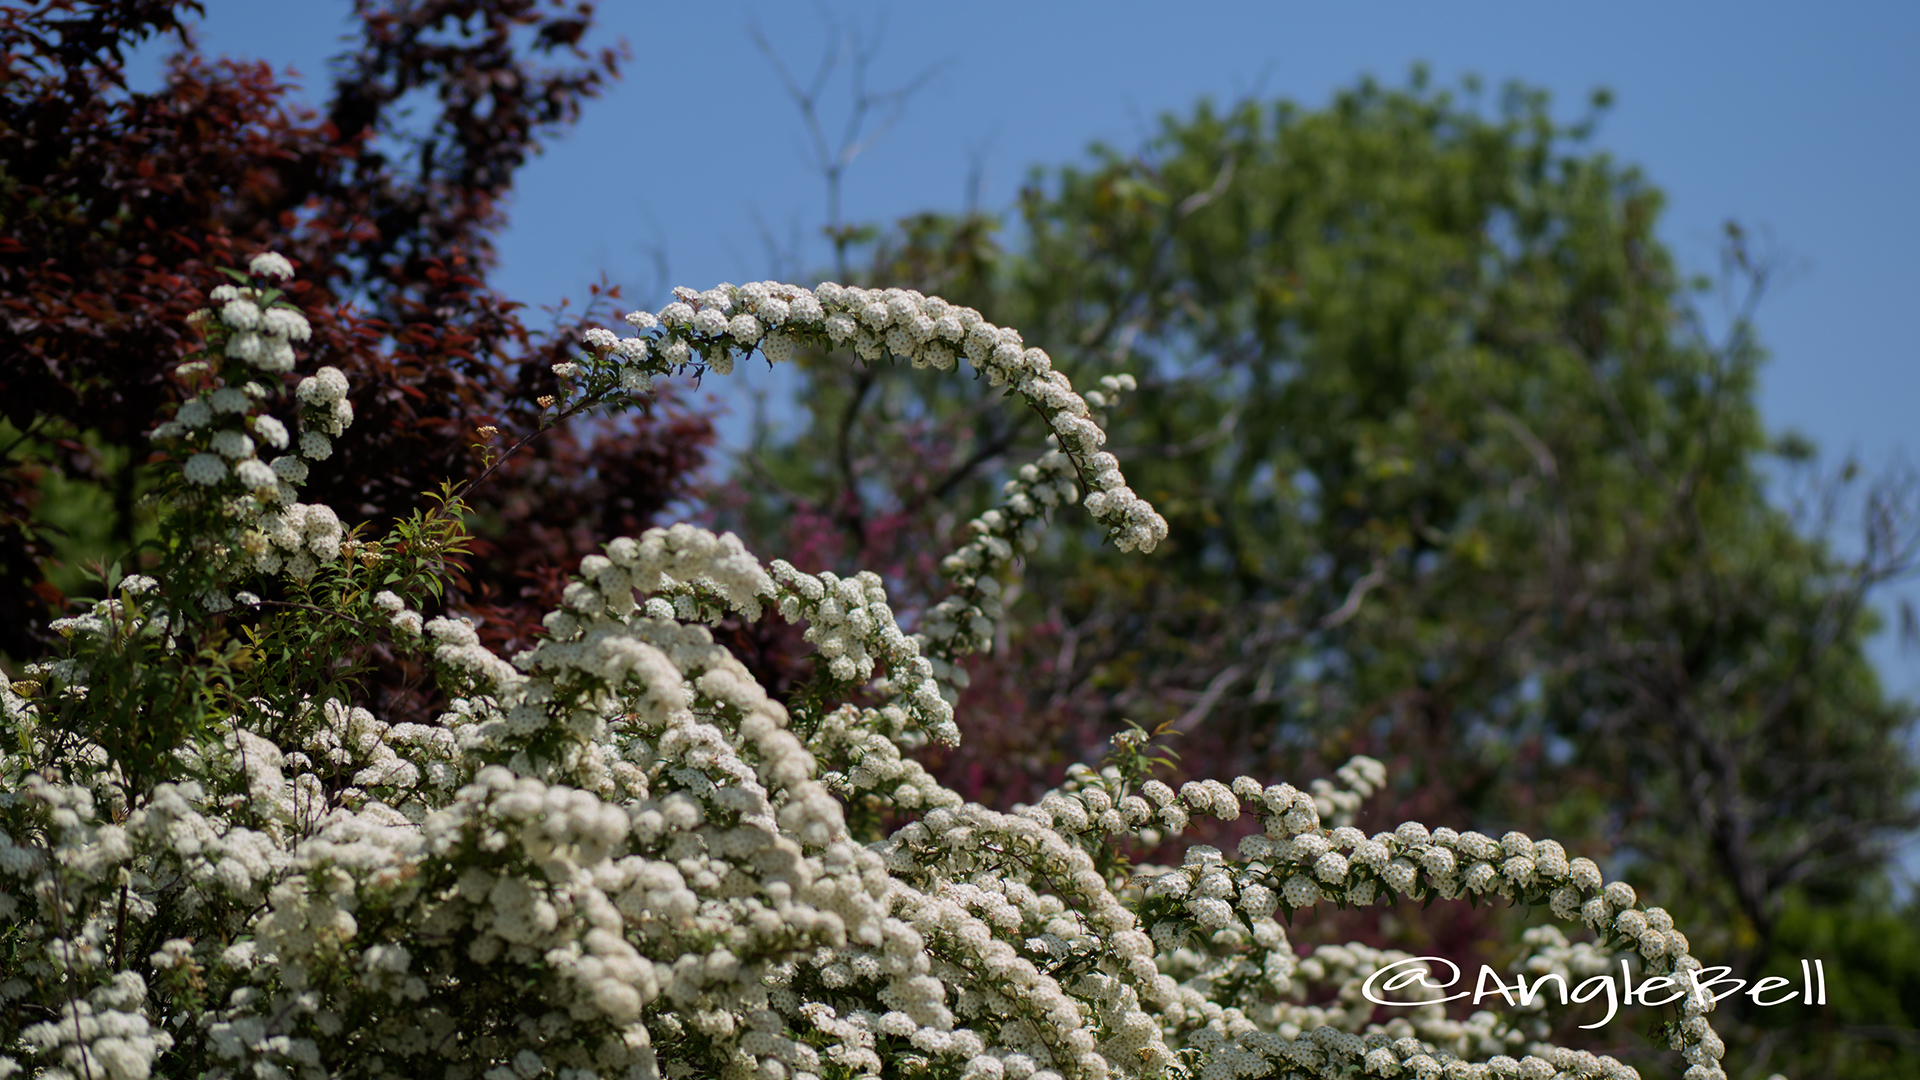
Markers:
(1705, 985)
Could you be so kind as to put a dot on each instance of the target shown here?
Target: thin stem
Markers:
(298, 606)
(120, 931)
(24, 436)
(583, 405)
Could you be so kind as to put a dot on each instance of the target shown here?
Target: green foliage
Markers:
(1872, 956)
(1456, 476)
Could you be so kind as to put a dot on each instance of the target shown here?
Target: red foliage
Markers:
(118, 206)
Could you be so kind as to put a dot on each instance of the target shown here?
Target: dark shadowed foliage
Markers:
(115, 208)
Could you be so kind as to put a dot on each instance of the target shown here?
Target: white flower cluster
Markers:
(327, 412)
(963, 622)
(611, 857)
(135, 615)
(1553, 954)
(689, 574)
(271, 264)
(67, 851)
(220, 433)
(926, 331)
(1299, 863)
(297, 537)
(262, 337)
(851, 623)
(682, 886)
(399, 615)
(408, 766)
(106, 1035)
(1337, 1037)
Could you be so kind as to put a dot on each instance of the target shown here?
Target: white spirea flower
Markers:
(323, 387)
(271, 264)
(248, 347)
(272, 430)
(287, 323)
(204, 469)
(276, 356)
(240, 314)
(255, 475)
(230, 443)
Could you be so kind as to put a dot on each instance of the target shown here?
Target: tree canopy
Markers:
(1456, 475)
(115, 206)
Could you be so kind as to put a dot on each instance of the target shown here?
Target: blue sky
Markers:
(1797, 120)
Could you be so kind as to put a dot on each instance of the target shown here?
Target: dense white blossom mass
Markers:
(614, 855)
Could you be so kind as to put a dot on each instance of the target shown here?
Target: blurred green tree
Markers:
(1459, 475)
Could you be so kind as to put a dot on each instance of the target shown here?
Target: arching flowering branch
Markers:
(711, 330)
(615, 855)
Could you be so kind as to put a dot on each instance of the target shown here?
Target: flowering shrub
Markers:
(615, 855)
(121, 204)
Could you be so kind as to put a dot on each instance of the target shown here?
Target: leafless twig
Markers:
(870, 115)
